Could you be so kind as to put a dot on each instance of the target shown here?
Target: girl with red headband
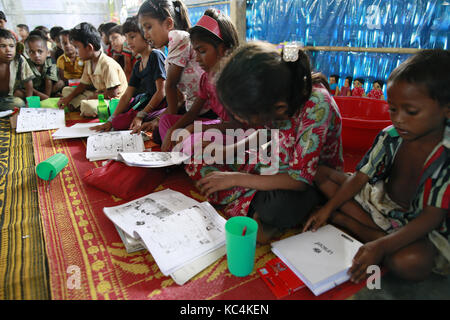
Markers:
(212, 38)
(165, 23)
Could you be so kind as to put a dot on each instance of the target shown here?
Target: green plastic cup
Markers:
(48, 169)
(241, 248)
(113, 105)
(34, 102)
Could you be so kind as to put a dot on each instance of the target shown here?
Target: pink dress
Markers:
(182, 54)
(207, 92)
(375, 94)
(310, 138)
(344, 91)
(358, 92)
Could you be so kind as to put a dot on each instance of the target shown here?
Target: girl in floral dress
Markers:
(165, 23)
(262, 89)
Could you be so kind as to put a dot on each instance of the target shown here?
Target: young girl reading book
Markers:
(261, 88)
(165, 23)
(213, 37)
(397, 202)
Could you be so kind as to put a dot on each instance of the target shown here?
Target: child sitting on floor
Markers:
(146, 85)
(260, 88)
(70, 66)
(46, 82)
(397, 202)
(121, 52)
(14, 71)
(345, 90)
(104, 29)
(377, 90)
(165, 23)
(334, 78)
(57, 49)
(100, 72)
(358, 90)
(213, 37)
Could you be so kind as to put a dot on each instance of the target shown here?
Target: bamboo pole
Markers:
(356, 49)
(238, 16)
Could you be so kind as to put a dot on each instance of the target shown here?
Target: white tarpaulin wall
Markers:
(68, 13)
(49, 13)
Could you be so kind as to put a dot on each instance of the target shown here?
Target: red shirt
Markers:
(358, 92)
(375, 94)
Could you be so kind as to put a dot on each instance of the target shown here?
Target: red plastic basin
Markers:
(362, 120)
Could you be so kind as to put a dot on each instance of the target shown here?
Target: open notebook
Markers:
(183, 236)
(320, 259)
(108, 145)
(152, 159)
(38, 119)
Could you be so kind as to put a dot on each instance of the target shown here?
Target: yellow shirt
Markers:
(107, 74)
(72, 70)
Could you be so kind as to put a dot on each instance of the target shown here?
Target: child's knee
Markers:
(67, 91)
(19, 93)
(88, 108)
(413, 263)
(326, 174)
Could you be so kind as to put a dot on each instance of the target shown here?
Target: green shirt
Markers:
(49, 71)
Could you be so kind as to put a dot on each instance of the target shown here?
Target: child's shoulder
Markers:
(178, 38)
(158, 54)
(49, 62)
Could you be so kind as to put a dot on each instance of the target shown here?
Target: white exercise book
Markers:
(37, 119)
(320, 259)
(153, 159)
(79, 130)
(183, 236)
(108, 145)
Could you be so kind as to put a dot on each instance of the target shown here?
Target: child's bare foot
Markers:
(265, 232)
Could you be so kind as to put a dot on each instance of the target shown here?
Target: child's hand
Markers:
(371, 253)
(167, 143)
(107, 126)
(317, 220)
(149, 126)
(62, 103)
(216, 181)
(136, 125)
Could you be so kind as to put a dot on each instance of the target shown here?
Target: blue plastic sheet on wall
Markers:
(352, 23)
(195, 13)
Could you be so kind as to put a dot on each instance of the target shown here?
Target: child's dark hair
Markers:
(86, 34)
(335, 76)
(132, 25)
(361, 80)
(256, 78)
(430, 69)
(350, 79)
(44, 29)
(227, 29)
(163, 9)
(23, 26)
(380, 83)
(39, 33)
(34, 38)
(64, 33)
(6, 34)
(115, 29)
(54, 32)
(104, 28)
